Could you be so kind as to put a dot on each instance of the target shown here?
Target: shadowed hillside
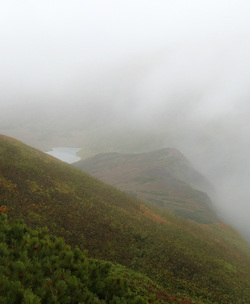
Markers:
(163, 177)
(210, 263)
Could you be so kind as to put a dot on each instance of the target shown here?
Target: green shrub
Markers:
(37, 268)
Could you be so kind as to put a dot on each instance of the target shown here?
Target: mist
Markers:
(134, 76)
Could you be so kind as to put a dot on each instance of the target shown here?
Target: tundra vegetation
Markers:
(163, 177)
(185, 261)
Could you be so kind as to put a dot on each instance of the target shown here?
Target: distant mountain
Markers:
(199, 262)
(163, 177)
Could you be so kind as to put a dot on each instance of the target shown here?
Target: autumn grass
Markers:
(208, 263)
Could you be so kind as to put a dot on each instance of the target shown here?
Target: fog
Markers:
(134, 76)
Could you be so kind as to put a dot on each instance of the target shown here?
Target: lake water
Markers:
(65, 154)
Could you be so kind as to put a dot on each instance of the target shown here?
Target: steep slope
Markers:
(164, 177)
(206, 262)
(37, 268)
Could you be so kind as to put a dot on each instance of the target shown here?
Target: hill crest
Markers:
(210, 263)
(163, 177)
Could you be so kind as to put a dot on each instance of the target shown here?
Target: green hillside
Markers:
(163, 177)
(210, 263)
(37, 268)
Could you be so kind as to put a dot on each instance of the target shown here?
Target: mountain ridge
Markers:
(210, 263)
(164, 177)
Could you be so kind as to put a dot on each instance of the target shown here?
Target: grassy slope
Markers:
(39, 268)
(210, 262)
(162, 177)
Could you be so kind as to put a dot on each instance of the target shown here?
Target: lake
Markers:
(65, 154)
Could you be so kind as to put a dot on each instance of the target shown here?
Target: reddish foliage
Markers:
(3, 209)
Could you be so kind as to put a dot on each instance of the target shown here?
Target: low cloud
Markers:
(157, 74)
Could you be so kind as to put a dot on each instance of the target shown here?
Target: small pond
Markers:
(65, 154)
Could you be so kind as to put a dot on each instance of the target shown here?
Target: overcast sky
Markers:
(47, 45)
(175, 66)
